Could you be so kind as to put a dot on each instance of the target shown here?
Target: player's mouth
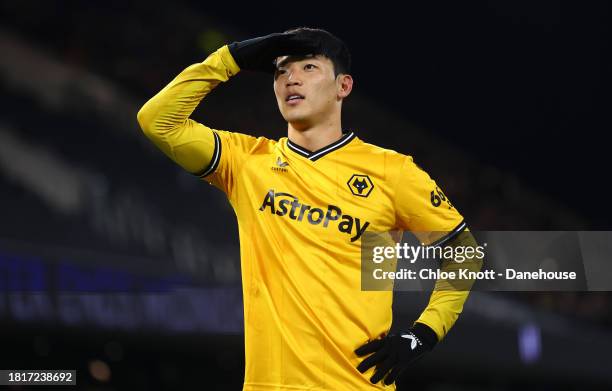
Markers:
(294, 99)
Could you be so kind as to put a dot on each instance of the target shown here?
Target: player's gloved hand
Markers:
(395, 352)
(258, 54)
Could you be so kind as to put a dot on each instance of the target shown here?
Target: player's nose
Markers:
(293, 79)
(293, 83)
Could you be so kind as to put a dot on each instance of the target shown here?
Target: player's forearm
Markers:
(165, 117)
(447, 300)
(173, 105)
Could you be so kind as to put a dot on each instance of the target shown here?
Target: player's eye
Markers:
(278, 72)
(309, 66)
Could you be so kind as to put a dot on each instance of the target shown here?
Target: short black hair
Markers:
(329, 46)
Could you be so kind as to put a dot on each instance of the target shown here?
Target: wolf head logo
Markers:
(360, 185)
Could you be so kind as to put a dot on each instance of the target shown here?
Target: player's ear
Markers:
(344, 84)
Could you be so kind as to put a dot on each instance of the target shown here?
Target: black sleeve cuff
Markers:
(451, 235)
(427, 336)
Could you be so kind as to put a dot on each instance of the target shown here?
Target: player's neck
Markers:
(315, 137)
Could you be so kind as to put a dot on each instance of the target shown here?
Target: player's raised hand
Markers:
(393, 353)
(258, 54)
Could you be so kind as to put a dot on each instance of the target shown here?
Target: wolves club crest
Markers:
(360, 185)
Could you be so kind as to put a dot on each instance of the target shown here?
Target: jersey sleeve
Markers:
(422, 207)
(448, 297)
(164, 118)
(215, 155)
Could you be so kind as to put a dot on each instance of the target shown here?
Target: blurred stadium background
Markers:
(116, 263)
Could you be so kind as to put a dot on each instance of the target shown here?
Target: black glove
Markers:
(396, 351)
(258, 54)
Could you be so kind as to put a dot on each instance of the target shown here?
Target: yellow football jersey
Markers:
(301, 216)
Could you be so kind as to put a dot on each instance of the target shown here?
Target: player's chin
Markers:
(295, 116)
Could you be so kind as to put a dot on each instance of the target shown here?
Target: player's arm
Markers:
(448, 297)
(424, 209)
(165, 117)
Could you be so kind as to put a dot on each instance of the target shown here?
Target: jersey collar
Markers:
(319, 153)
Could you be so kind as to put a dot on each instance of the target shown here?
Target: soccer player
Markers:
(303, 203)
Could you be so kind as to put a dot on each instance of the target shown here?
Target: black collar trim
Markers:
(319, 153)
